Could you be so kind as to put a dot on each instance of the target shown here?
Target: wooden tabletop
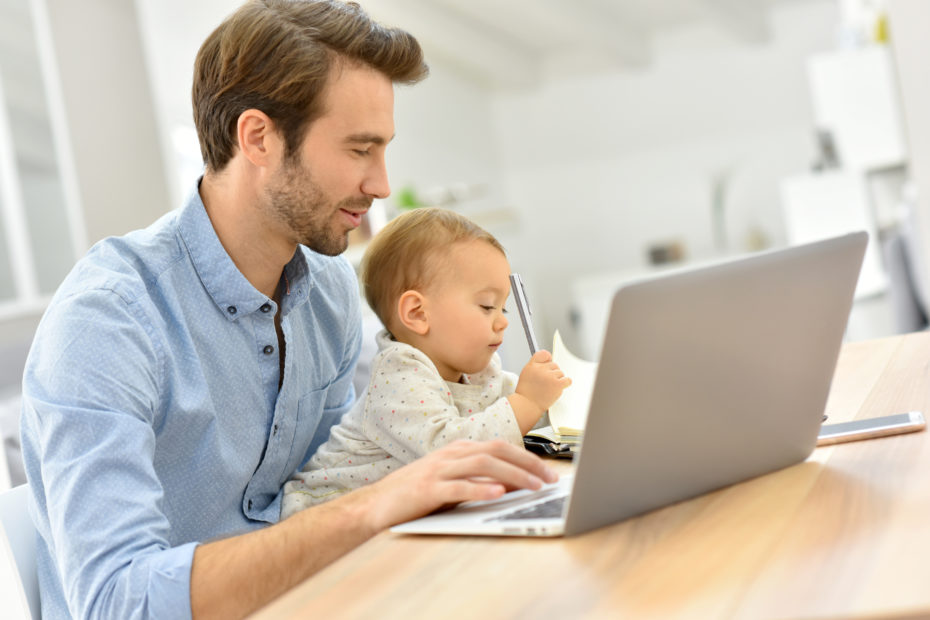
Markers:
(844, 534)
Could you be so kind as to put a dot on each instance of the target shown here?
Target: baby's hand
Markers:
(542, 381)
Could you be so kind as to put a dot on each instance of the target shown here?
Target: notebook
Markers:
(706, 378)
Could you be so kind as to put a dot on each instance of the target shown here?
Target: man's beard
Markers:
(298, 203)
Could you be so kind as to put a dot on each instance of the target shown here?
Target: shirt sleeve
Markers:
(89, 419)
(508, 382)
(410, 411)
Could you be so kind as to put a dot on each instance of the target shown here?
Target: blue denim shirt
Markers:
(152, 419)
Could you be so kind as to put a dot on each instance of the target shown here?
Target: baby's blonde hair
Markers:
(406, 255)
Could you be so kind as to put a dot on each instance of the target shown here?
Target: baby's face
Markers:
(466, 309)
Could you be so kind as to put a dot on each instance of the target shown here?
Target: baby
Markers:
(438, 282)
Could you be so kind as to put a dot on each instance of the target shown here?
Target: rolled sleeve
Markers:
(170, 582)
(158, 585)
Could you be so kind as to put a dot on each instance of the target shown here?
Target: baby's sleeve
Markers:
(508, 382)
(410, 411)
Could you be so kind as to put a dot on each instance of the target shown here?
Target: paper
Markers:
(567, 415)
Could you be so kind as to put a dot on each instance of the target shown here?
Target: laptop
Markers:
(707, 377)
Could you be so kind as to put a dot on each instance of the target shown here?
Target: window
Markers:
(41, 231)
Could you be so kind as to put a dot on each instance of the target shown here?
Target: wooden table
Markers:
(844, 534)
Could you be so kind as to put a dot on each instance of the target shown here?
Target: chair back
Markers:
(19, 579)
(4, 468)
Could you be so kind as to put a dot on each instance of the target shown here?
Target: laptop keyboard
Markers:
(551, 508)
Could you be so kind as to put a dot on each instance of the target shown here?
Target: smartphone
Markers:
(871, 427)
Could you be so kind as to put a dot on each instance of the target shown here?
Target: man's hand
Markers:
(461, 471)
(235, 576)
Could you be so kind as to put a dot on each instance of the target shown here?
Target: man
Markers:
(183, 372)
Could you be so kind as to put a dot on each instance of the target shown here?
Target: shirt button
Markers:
(274, 431)
(265, 308)
(231, 309)
(268, 349)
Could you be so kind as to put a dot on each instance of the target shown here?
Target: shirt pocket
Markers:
(311, 429)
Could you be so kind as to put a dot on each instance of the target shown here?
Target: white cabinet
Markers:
(830, 203)
(854, 98)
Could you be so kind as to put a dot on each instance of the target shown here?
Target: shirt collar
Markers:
(233, 294)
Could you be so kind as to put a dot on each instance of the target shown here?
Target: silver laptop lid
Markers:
(712, 376)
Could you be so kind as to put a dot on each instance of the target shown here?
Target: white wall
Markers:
(909, 21)
(602, 166)
(444, 135)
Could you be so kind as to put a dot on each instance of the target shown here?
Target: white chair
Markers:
(4, 468)
(19, 580)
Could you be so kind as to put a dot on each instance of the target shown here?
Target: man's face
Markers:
(320, 194)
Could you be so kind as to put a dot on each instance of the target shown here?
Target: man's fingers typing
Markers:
(461, 471)
(465, 490)
(489, 467)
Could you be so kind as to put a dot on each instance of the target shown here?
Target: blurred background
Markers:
(600, 140)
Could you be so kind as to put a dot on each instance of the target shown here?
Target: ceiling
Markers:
(518, 43)
(500, 44)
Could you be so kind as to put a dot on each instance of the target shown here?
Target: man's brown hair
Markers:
(276, 56)
(408, 253)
